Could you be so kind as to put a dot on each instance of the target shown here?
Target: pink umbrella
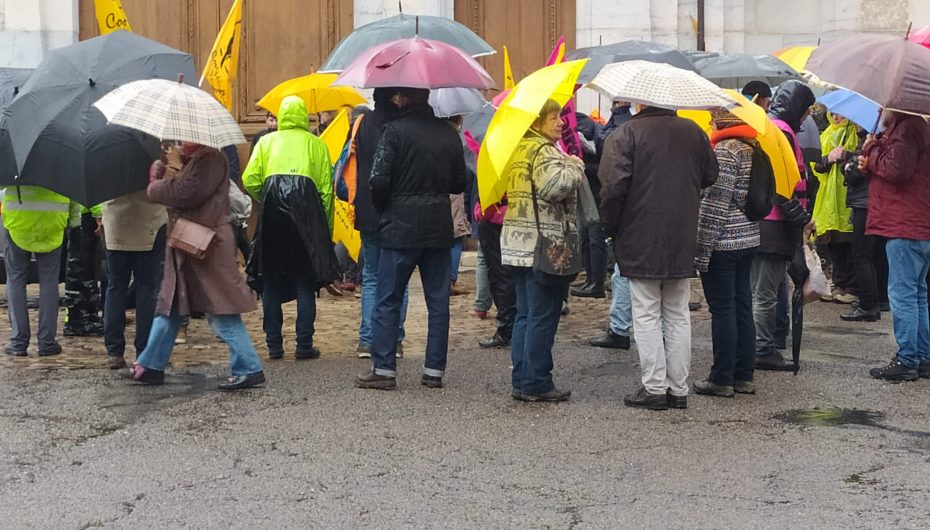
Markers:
(416, 63)
(921, 36)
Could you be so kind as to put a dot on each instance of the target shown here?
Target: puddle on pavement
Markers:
(134, 401)
(839, 417)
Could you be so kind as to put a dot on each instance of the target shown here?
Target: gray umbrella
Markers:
(58, 141)
(403, 27)
(735, 70)
(630, 50)
(11, 80)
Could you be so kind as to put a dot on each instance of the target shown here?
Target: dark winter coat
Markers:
(366, 142)
(618, 117)
(419, 163)
(899, 192)
(653, 169)
(212, 285)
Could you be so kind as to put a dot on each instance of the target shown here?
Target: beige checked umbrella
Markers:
(659, 85)
(171, 111)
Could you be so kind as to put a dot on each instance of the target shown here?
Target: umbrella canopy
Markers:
(59, 142)
(315, 90)
(403, 27)
(416, 63)
(856, 108)
(921, 36)
(795, 56)
(659, 85)
(772, 140)
(889, 70)
(448, 102)
(735, 70)
(630, 50)
(11, 80)
(172, 111)
(477, 122)
(514, 117)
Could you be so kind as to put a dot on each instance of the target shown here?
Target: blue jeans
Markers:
(276, 289)
(908, 262)
(146, 269)
(483, 298)
(456, 253)
(243, 360)
(396, 267)
(728, 292)
(539, 308)
(371, 255)
(621, 306)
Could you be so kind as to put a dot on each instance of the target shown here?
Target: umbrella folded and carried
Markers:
(735, 70)
(855, 107)
(317, 92)
(59, 142)
(403, 27)
(889, 70)
(659, 85)
(448, 102)
(415, 63)
(513, 118)
(630, 50)
(170, 110)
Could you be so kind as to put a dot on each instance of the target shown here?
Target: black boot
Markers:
(611, 340)
(592, 290)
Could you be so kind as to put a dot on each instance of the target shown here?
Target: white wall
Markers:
(29, 28)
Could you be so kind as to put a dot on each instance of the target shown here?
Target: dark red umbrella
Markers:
(893, 72)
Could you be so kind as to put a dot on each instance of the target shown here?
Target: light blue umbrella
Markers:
(853, 106)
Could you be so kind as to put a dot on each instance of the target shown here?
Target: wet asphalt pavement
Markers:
(828, 448)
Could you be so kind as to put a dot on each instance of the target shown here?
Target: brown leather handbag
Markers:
(191, 238)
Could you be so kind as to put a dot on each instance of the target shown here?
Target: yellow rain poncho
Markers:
(830, 211)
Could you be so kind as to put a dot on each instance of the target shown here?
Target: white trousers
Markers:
(662, 325)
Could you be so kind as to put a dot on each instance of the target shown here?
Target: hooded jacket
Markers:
(899, 192)
(366, 141)
(780, 238)
(419, 163)
(291, 150)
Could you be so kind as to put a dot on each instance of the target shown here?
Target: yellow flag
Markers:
(224, 57)
(110, 16)
(508, 73)
(336, 135)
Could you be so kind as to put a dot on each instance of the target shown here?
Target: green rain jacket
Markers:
(292, 150)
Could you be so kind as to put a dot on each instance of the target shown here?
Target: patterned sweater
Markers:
(722, 225)
(556, 176)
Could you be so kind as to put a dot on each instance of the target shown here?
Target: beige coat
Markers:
(214, 284)
(556, 176)
(132, 221)
(460, 225)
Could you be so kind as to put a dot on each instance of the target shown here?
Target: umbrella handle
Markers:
(877, 120)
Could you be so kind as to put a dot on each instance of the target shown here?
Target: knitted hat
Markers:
(723, 118)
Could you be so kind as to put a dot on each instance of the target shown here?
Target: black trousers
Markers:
(503, 291)
(843, 270)
(869, 263)
(594, 253)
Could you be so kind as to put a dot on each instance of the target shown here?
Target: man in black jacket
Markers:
(367, 219)
(418, 164)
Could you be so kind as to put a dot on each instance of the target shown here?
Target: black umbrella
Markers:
(630, 50)
(735, 70)
(798, 272)
(58, 141)
(11, 80)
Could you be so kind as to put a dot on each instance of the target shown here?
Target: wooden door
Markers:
(280, 39)
(529, 29)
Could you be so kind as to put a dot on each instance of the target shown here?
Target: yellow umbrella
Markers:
(316, 92)
(796, 56)
(335, 137)
(772, 140)
(513, 118)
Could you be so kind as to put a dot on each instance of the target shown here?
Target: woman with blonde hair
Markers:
(541, 202)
